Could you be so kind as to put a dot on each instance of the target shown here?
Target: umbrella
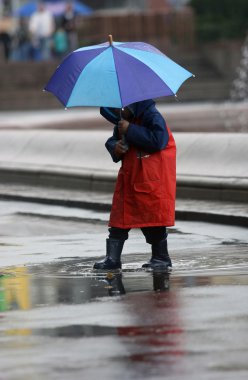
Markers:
(55, 7)
(115, 74)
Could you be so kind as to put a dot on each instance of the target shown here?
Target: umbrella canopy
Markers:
(55, 7)
(115, 74)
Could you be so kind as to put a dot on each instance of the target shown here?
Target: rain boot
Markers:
(160, 258)
(113, 255)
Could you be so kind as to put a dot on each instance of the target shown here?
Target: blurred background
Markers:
(207, 37)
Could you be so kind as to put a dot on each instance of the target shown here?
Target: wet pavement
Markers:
(224, 212)
(61, 320)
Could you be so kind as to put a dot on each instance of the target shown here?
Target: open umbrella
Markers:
(115, 74)
(56, 7)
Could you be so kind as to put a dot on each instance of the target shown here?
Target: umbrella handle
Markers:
(124, 142)
(123, 137)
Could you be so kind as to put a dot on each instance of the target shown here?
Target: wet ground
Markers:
(61, 320)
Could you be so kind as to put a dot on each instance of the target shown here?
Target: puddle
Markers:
(129, 324)
(30, 287)
(26, 288)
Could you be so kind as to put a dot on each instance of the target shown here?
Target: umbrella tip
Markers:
(110, 38)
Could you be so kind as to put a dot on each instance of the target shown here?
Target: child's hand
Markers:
(120, 149)
(123, 127)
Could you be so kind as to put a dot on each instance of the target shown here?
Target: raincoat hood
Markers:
(137, 109)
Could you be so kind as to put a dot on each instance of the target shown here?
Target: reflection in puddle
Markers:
(154, 333)
(20, 289)
(15, 289)
(29, 287)
(103, 325)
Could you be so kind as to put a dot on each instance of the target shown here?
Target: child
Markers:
(144, 195)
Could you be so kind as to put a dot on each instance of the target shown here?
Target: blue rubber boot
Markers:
(113, 255)
(160, 259)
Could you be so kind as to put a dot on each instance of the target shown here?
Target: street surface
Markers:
(61, 320)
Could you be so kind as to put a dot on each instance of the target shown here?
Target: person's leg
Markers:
(118, 233)
(157, 237)
(45, 48)
(114, 246)
(37, 49)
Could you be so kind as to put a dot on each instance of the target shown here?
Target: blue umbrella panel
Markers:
(115, 74)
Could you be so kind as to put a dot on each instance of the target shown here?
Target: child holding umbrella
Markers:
(144, 195)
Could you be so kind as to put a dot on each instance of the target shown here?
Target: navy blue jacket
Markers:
(151, 136)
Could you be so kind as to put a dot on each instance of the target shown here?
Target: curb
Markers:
(194, 187)
(201, 216)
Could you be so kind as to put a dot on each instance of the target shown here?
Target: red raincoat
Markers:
(145, 190)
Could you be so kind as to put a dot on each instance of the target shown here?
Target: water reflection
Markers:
(151, 331)
(26, 288)
(15, 289)
(132, 323)
(155, 339)
(115, 286)
(21, 289)
(161, 281)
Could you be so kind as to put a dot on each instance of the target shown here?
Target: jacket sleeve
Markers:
(110, 144)
(152, 135)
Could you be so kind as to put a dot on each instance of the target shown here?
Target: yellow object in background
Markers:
(15, 289)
